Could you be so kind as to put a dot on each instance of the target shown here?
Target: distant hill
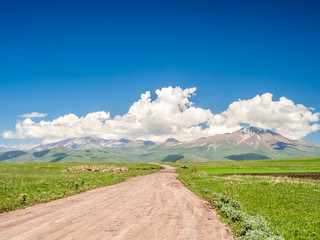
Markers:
(173, 140)
(41, 154)
(11, 154)
(247, 156)
(172, 158)
(246, 143)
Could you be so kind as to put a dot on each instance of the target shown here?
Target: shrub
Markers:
(217, 203)
(216, 196)
(206, 190)
(259, 235)
(254, 227)
(237, 215)
(254, 223)
(256, 235)
(229, 212)
(234, 203)
(274, 237)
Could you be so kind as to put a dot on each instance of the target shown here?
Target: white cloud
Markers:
(173, 114)
(33, 115)
(284, 116)
(21, 146)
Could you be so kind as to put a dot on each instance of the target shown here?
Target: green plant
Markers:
(206, 190)
(254, 223)
(256, 235)
(26, 184)
(290, 206)
(194, 169)
(229, 212)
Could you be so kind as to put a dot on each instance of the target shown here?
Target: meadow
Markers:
(26, 184)
(290, 207)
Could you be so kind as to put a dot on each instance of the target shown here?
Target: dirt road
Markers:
(155, 206)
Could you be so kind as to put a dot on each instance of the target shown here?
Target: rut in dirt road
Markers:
(155, 206)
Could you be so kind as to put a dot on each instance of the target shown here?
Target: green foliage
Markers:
(288, 207)
(260, 234)
(256, 235)
(253, 227)
(25, 184)
(206, 190)
(254, 170)
(229, 212)
(257, 166)
(254, 223)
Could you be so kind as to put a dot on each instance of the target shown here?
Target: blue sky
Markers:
(61, 57)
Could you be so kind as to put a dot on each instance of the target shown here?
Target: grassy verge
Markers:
(252, 170)
(290, 206)
(26, 184)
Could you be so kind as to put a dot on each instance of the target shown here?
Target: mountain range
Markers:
(246, 143)
(86, 143)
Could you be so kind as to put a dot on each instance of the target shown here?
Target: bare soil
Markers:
(156, 206)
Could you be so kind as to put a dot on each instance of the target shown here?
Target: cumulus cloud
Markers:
(284, 116)
(33, 115)
(173, 114)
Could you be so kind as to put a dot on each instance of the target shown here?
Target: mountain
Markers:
(246, 143)
(86, 143)
(248, 140)
(172, 140)
(253, 137)
(11, 154)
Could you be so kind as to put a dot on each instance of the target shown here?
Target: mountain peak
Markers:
(255, 130)
(251, 129)
(171, 140)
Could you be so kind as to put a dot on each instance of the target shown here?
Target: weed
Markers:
(229, 212)
(206, 190)
(23, 198)
(256, 235)
(254, 223)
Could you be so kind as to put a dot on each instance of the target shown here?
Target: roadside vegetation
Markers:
(260, 207)
(26, 184)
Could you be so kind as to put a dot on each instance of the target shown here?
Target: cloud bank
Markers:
(33, 115)
(173, 114)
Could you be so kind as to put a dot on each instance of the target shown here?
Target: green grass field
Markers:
(299, 164)
(291, 206)
(254, 170)
(26, 184)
